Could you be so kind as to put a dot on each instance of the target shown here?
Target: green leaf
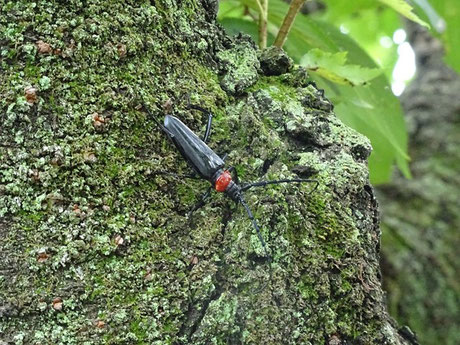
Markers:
(334, 68)
(449, 11)
(337, 10)
(234, 26)
(369, 23)
(404, 9)
(230, 9)
(437, 22)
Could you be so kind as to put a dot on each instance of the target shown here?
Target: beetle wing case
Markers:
(199, 155)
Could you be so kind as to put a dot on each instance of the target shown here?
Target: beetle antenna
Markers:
(264, 183)
(256, 226)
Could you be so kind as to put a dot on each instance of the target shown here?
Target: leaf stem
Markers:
(287, 22)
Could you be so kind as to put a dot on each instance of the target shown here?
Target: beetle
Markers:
(211, 167)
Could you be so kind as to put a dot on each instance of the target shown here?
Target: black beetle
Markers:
(210, 166)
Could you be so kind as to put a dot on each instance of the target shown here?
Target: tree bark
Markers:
(96, 244)
(420, 217)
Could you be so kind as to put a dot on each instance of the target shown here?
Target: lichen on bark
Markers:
(96, 240)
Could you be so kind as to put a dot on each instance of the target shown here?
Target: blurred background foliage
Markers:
(360, 57)
(368, 56)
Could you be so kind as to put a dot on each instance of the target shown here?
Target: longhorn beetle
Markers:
(209, 166)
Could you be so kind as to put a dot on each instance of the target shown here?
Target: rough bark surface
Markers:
(96, 246)
(420, 217)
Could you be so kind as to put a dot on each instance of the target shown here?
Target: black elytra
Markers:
(210, 166)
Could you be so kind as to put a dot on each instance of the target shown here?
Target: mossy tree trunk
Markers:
(95, 241)
(420, 216)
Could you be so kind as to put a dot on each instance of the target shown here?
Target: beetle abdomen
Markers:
(199, 155)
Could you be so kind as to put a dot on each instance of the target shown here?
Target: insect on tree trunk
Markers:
(96, 244)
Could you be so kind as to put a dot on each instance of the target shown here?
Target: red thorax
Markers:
(223, 181)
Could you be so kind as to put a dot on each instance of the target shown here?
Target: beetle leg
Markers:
(233, 171)
(208, 128)
(208, 125)
(201, 202)
(169, 173)
(163, 128)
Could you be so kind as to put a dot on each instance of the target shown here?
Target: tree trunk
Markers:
(421, 216)
(96, 244)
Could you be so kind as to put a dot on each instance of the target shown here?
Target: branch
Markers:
(287, 23)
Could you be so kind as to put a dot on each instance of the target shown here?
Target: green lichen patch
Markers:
(239, 66)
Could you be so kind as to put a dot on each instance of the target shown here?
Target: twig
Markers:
(287, 22)
(263, 12)
(259, 4)
(263, 41)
